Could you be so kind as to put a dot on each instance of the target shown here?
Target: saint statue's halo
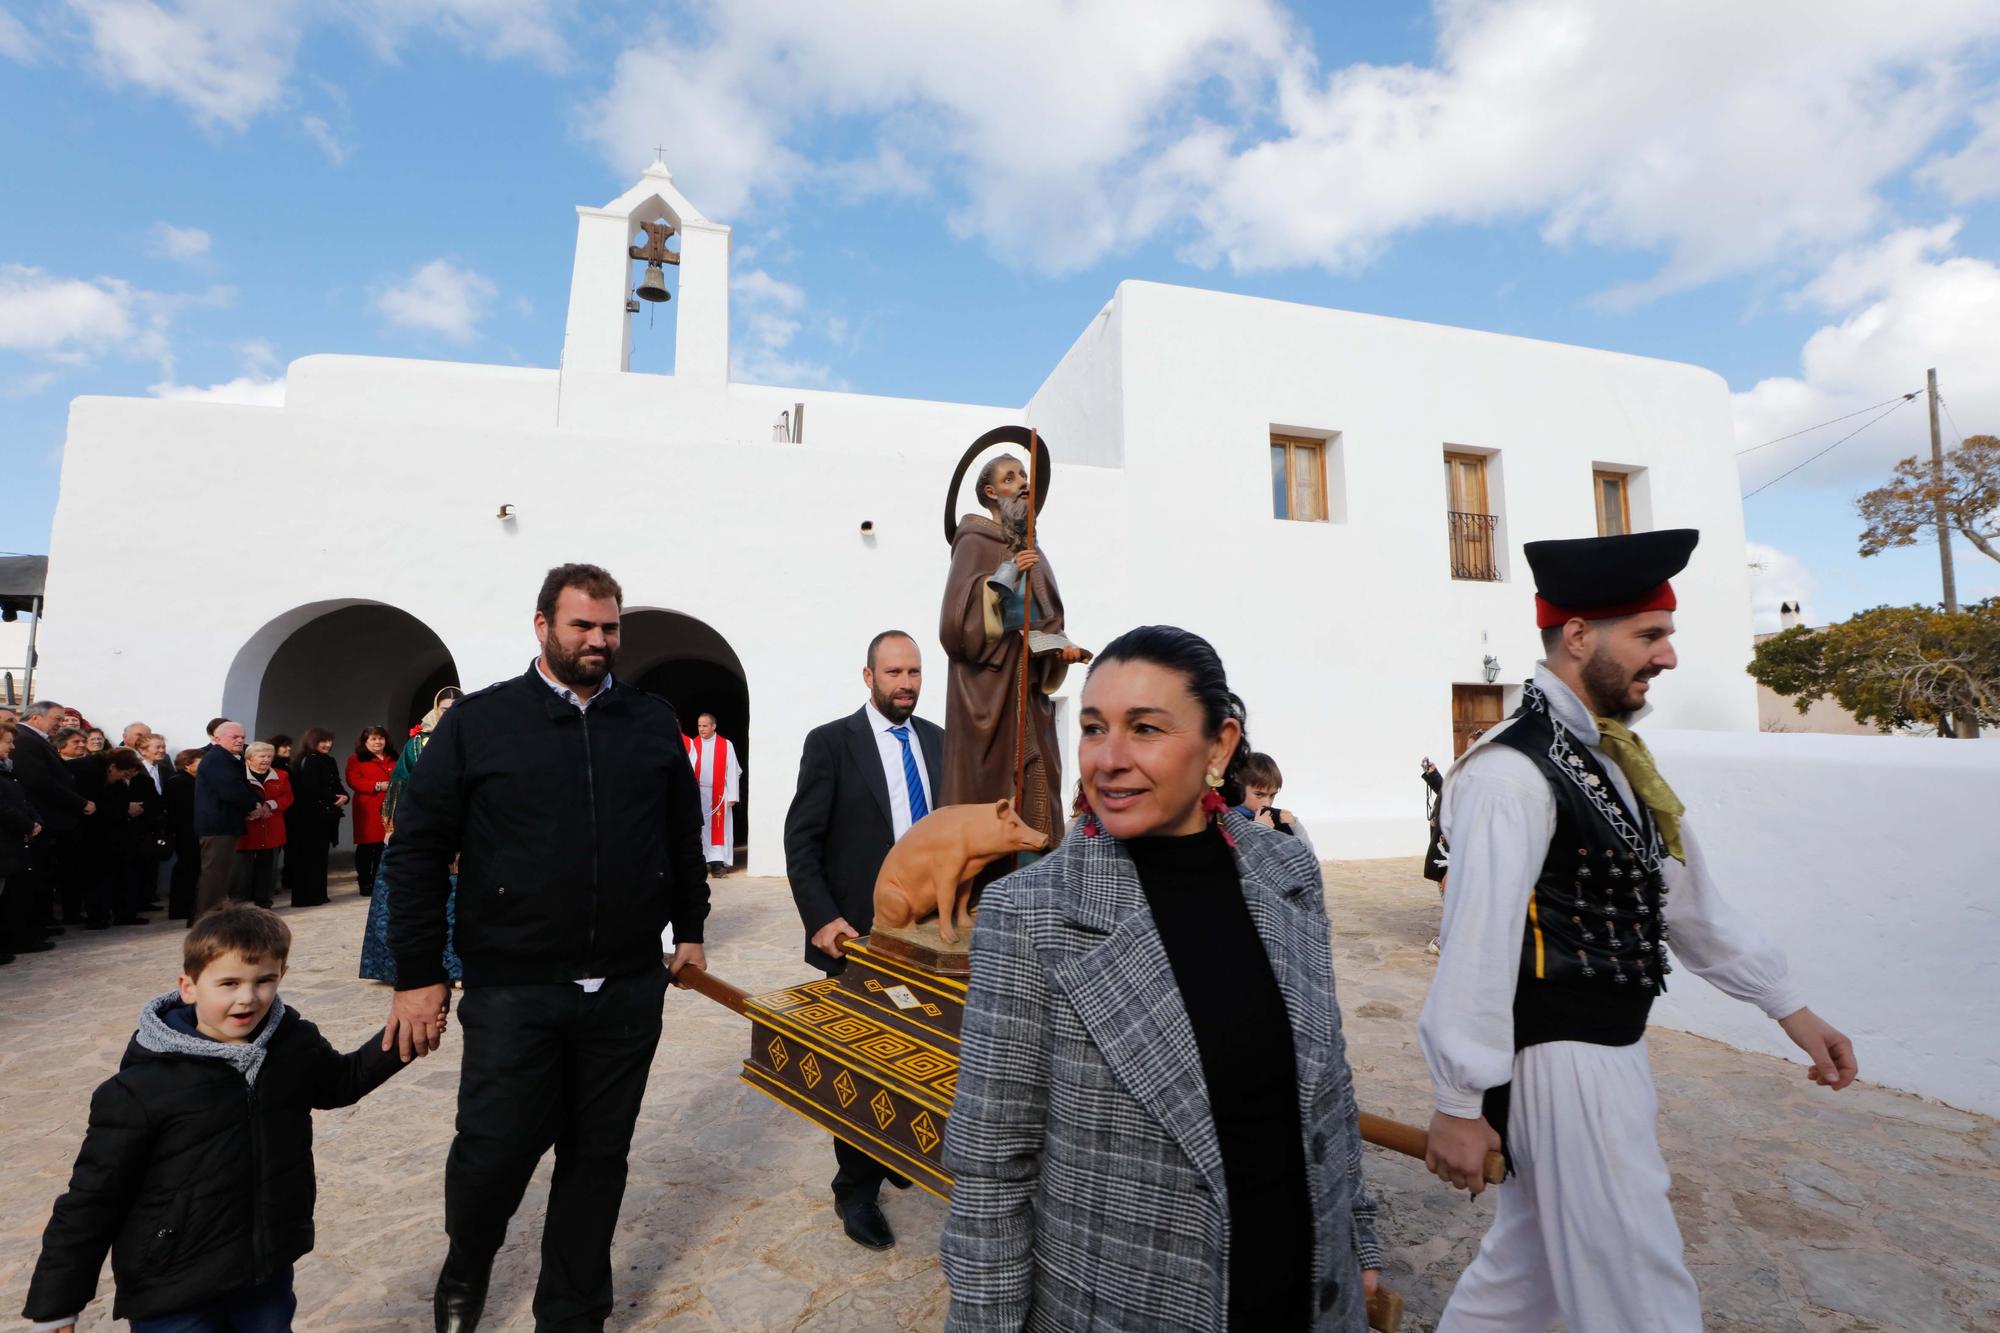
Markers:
(1018, 436)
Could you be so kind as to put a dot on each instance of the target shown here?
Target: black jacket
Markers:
(17, 821)
(223, 796)
(50, 784)
(578, 836)
(197, 1183)
(180, 809)
(315, 786)
(839, 827)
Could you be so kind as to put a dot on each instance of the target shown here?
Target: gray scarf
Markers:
(156, 1034)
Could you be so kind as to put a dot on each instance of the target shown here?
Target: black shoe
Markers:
(39, 946)
(97, 925)
(459, 1301)
(6, 958)
(864, 1223)
(152, 907)
(131, 921)
(55, 928)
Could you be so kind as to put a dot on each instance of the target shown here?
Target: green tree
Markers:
(1895, 666)
(1904, 512)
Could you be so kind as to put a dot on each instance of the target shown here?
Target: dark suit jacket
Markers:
(838, 829)
(49, 782)
(223, 796)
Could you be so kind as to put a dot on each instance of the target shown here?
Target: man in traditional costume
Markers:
(1572, 873)
(985, 598)
(718, 777)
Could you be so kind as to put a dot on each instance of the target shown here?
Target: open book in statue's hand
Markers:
(1044, 641)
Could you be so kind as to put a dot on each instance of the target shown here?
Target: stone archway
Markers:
(343, 664)
(687, 663)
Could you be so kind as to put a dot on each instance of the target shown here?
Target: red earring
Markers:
(1213, 805)
(1091, 828)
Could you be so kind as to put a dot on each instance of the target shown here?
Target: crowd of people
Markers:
(96, 835)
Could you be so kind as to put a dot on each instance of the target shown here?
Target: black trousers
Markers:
(306, 846)
(181, 885)
(550, 1066)
(254, 878)
(367, 863)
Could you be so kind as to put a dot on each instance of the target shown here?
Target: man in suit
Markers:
(863, 780)
(51, 789)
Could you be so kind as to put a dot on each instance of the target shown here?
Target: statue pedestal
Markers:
(871, 1055)
(920, 946)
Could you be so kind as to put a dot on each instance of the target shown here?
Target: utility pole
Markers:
(1965, 727)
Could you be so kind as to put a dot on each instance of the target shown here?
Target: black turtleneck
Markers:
(1247, 1060)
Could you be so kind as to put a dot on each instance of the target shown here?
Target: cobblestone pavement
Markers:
(1801, 1209)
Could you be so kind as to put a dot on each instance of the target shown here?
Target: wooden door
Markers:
(1474, 708)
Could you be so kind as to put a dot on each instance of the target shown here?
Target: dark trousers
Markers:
(19, 926)
(305, 861)
(186, 871)
(142, 873)
(267, 1307)
(218, 867)
(550, 1065)
(367, 861)
(255, 879)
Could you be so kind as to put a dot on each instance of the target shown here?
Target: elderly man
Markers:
(224, 805)
(59, 807)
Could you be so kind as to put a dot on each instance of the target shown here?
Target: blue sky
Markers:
(933, 200)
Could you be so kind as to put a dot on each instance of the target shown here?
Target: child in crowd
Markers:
(196, 1172)
(1261, 782)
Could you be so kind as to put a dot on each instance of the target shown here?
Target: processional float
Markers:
(871, 1055)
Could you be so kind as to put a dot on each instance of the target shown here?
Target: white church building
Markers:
(1338, 501)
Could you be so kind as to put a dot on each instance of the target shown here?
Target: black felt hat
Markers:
(1596, 578)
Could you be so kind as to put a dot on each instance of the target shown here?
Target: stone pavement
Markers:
(1802, 1209)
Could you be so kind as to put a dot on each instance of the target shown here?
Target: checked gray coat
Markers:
(1087, 1178)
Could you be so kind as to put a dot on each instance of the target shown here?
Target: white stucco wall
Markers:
(1871, 860)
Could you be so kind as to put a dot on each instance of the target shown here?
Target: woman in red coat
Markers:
(368, 778)
(255, 877)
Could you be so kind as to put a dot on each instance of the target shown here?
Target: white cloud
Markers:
(249, 389)
(27, 385)
(323, 137)
(181, 243)
(768, 313)
(1973, 172)
(1777, 577)
(41, 312)
(1719, 135)
(229, 62)
(16, 43)
(1905, 305)
(443, 297)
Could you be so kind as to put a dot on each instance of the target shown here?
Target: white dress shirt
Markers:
(891, 751)
(1498, 815)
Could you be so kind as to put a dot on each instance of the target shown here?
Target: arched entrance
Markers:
(343, 664)
(685, 662)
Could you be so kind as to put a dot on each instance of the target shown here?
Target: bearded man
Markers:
(985, 596)
(1573, 871)
(576, 847)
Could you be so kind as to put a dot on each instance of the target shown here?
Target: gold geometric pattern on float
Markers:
(933, 1010)
(843, 1088)
(809, 1070)
(925, 1065)
(884, 1109)
(816, 1013)
(779, 1055)
(849, 1029)
(926, 1132)
(885, 1046)
(871, 984)
(947, 1086)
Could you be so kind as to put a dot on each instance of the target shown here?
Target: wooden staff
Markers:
(1027, 653)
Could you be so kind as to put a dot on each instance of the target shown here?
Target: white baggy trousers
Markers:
(1583, 1232)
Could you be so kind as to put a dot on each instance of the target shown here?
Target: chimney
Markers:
(1789, 616)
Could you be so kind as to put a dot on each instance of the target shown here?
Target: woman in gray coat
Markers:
(1155, 1123)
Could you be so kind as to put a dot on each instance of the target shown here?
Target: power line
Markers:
(1831, 447)
(1809, 429)
(1957, 434)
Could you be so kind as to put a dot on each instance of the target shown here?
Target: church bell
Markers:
(653, 287)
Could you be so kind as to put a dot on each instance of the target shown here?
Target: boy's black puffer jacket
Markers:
(198, 1179)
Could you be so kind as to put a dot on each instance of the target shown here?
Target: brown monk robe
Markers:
(982, 716)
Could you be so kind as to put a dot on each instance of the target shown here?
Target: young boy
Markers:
(196, 1171)
(1261, 783)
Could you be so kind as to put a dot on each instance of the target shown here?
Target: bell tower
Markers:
(598, 336)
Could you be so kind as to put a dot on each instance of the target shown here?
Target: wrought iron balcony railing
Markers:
(1473, 541)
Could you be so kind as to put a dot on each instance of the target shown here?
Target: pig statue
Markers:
(932, 868)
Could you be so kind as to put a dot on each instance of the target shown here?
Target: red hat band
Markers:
(1548, 614)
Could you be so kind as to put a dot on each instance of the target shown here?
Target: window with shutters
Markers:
(1298, 478)
(1472, 526)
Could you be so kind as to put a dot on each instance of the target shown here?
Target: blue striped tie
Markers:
(911, 778)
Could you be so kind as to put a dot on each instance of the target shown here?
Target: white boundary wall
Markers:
(1872, 860)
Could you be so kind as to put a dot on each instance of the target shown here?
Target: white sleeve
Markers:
(733, 776)
(1718, 943)
(1498, 817)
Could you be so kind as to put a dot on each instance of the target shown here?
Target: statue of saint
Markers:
(993, 566)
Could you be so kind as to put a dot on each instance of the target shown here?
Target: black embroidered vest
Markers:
(1594, 953)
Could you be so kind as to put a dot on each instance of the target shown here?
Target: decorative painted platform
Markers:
(870, 1056)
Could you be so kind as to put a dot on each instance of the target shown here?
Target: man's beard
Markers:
(1610, 685)
(889, 708)
(571, 669)
(1013, 513)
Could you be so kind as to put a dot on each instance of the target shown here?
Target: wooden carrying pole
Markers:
(1027, 653)
(1375, 1129)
